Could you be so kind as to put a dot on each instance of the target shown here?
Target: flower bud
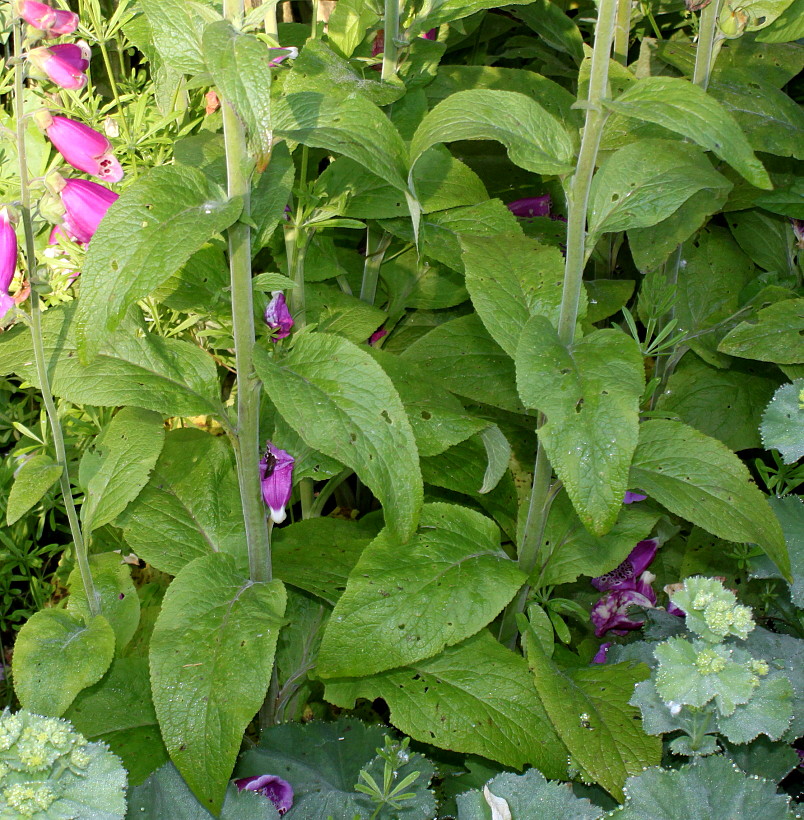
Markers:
(732, 22)
(53, 22)
(63, 64)
(83, 147)
(530, 206)
(277, 316)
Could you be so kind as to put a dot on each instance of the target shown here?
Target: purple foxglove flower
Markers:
(626, 576)
(431, 35)
(85, 204)
(611, 611)
(630, 497)
(530, 206)
(600, 655)
(798, 232)
(276, 478)
(83, 147)
(278, 791)
(377, 335)
(292, 53)
(8, 261)
(53, 22)
(277, 316)
(673, 609)
(63, 64)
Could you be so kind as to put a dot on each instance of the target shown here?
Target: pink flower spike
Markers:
(626, 576)
(63, 64)
(85, 204)
(53, 22)
(277, 316)
(8, 251)
(276, 478)
(83, 147)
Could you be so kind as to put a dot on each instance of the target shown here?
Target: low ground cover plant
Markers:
(403, 409)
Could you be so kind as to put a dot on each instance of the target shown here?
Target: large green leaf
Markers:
(535, 139)
(158, 222)
(697, 477)
(176, 32)
(685, 108)
(510, 278)
(118, 711)
(550, 22)
(783, 422)
(787, 27)
(647, 181)
(238, 64)
(591, 714)
(133, 367)
(590, 394)
(270, 196)
(445, 11)
(774, 336)
(406, 601)
(56, 655)
(129, 448)
(340, 401)
(211, 660)
(475, 698)
(35, 477)
(191, 505)
(349, 22)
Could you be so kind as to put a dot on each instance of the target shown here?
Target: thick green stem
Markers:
(622, 31)
(708, 44)
(247, 439)
(390, 52)
(375, 253)
(578, 198)
(81, 555)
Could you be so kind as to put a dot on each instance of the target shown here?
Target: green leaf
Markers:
(590, 394)
(765, 238)
(191, 505)
(176, 32)
(534, 138)
(688, 110)
(349, 22)
(238, 64)
(155, 226)
(271, 194)
(169, 376)
(130, 446)
(571, 551)
(165, 794)
(406, 601)
(768, 712)
(446, 11)
(118, 711)
(318, 554)
(790, 512)
(590, 712)
(774, 336)
(353, 127)
(606, 297)
(774, 761)
(486, 372)
(56, 655)
(34, 479)
(475, 698)
(506, 293)
(116, 595)
(712, 787)
(498, 452)
(339, 400)
(551, 23)
(723, 404)
(763, 12)
(787, 27)
(697, 477)
(211, 660)
(201, 284)
(646, 182)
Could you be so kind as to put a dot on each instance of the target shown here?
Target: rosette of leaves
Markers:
(48, 771)
(344, 771)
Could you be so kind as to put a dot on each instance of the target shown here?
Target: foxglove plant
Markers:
(64, 64)
(85, 204)
(51, 22)
(8, 261)
(277, 316)
(277, 790)
(276, 480)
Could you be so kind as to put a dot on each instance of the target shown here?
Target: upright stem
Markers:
(81, 555)
(578, 198)
(390, 52)
(247, 439)
(375, 254)
(622, 31)
(708, 45)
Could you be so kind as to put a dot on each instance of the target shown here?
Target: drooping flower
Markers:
(8, 261)
(530, 206)
(278, 791)
(630, 497)
(276, 478)
(600, 655)
(83, 147)
(63, 64)
(431, 35)
(627, 574)
(289, 52)
(277, 316)
(85, 204)
(53, 22)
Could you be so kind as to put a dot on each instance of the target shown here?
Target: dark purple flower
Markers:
(276, 478)
(627, 575)
(431, 35)
(600, 655)
(278, 791)
(377, 335)
(277, 316)
(630, 497)
(798, 232)
(530, 206)
(673, 609)
(611, 611)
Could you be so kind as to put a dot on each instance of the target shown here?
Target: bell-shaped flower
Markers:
(278, 791)
(627, 574)
(277, 316)
(53, 22)
(432, 34)
(276, 479)
(85, 204)
(600, 655)
(83, 147)
(611, 612)
(287, 52)
(530, 206)
(63, 64)
(8, 260)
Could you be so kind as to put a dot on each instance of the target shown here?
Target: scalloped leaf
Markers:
(782, 425)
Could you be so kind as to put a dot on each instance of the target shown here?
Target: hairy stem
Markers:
(81, 554)
(622, 31)
(247, 439)
(708, 45)
(390, 52)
